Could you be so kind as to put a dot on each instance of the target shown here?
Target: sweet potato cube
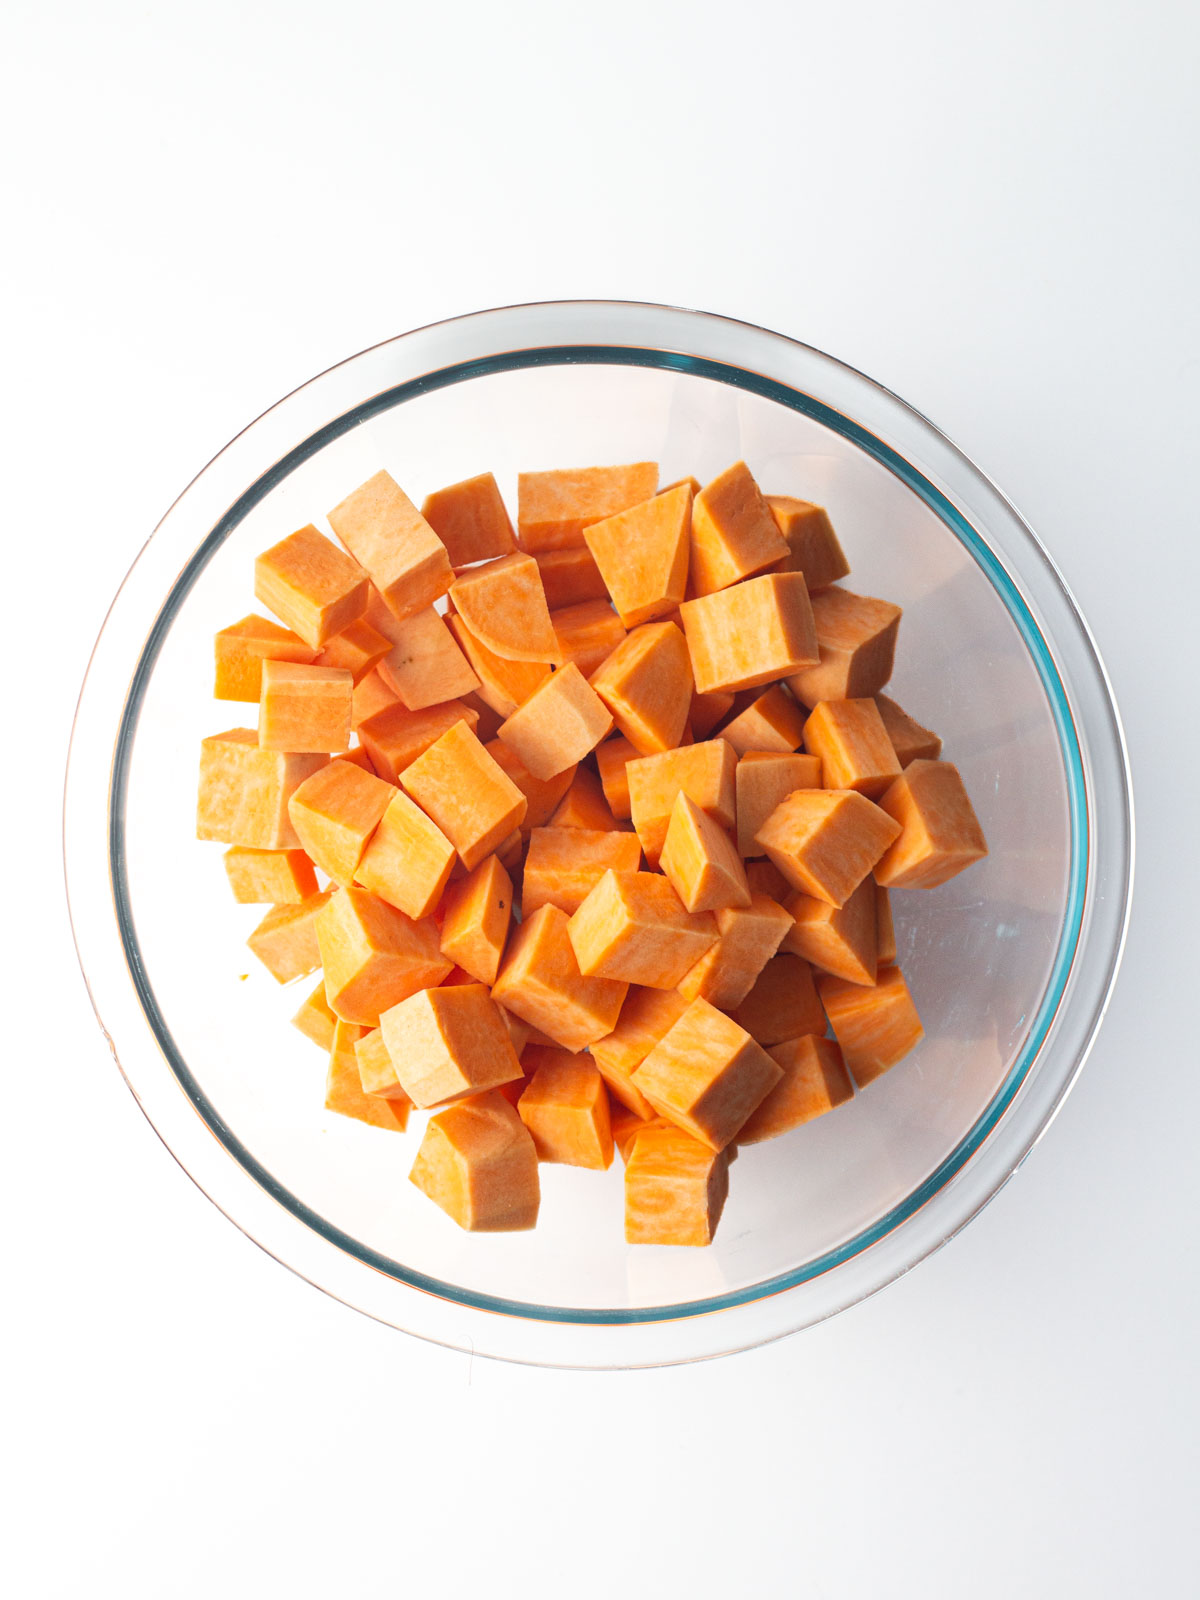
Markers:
(447, 1043)
(372, 694)
(244, 791)
(358, 757)
(408, 859)
(396, 736)
(749, 937)
(633, 927)
(542, 795)
(909, 739)
(733, 532)
(471, 520)
(374, 956)
(764, 877)
(741, 637)
(393, 544)
(700, 860)
(565, 1108)
(424, 665)
(763, 779)
(504, 605)
(562, 721)
(563, 865)
(643, 555)
(310, 585)
(503, 685)
(304, 709)
(584, 805)
(875, 1027)
(343, 1086)
(675, 1188)
(772, 722)
(626, 1125)
(856, 646)
(285, 940)
(645, 1017)
(472, 800)
(813, 547)
(553, 508)
(611, 759)
(478, 914)
(783, 1003)
(587, 633)
(825, 841)
(707, 710)
(570, 577)
(335, 812)
(704, 772)
(315, 1020)
(706, 1075)
(647, 685)
(240, 650)
(853, 746)
(842, 940)
(375, 1070)
(885, 930)
(270, 877)
(541, 982)
(814, 1081)
(357, 650)
(939, 832)
(477, 1162)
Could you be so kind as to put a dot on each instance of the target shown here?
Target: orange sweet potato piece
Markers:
(503, 684)
(542, 795)
(626, 1125)
(374, 956)
(553, 508)
(875, 1027)
(447, 1043)
(700, 860)
(240, 650)
(424, 665)
(939, 834)
(563, 865)
(749, 937)
(642, 554)
(885, 931)
(633, 927)
(504, 605)
(570, 576)
(375, 1070)
(706, 1075)
(675, 1188)
(763, 779)
(750, 634)
(244, 791)
(584, 805)
(565, 1108)
(478, 913)
(357, 650)
(646, 1016)
(407, 860)
(471, 520)
(771, 723)
(825, 841)
(855, 751)
(562, 721)
(813, 547)
(396, 736)
(304, 709)
(393, 544)
(358, 757)
(704, 772)
(372, 694)
(611, 759)
(315, 1020)
(343, 1086)
(473, 800)
(335, 812)
(909, 739)
(285, 940)
(856, 647)
(814, 1081)
(733, 532)
(783, 1003)
(587, 633)
(541, 982)
(310, 585)
(647, 685)
(477, 1162)
(842, 940)
(269, 877)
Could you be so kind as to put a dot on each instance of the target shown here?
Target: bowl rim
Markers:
(663, 355)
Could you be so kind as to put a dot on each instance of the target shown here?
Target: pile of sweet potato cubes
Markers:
(605, 848)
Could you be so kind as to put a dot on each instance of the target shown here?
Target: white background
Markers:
(993, 211)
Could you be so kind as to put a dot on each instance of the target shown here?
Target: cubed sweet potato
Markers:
(504, 605)
(675, 1188)
(587, 633)
(813, 547)
(244, 791)
(554, 508)
(240, 650)
(783, 1003)
(407, 860)
(701, 861)
(853, 746)
(563, 865)
(706, 1075)
(393, 544)
(269, 877)
(478, 1163)
(704, 772)
(471, 520)
(764, 779)
(749, 937)
(396, 736)
(643, 555)
(373, 955)
(310, 585)
(876, 1027)
(335, 812)
(646, 683)
(472, 800)
(733, 533)
(842, 940)
(565, 1107)
(825, 841)
(910, 740)
(756, 631)
(633, 927)
(447, 1043)
(562, 721)
(478, 913)
(285, 940)
(939, 833)
(814, 1081)
(343, 1085)
(304, 709)
(856, 646)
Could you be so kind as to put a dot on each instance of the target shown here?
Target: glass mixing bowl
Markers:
(1011, 964)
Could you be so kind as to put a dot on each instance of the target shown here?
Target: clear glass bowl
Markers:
(1011, 964)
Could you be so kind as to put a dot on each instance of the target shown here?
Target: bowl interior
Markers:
(979, 953)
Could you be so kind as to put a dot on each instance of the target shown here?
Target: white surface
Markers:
(992, 212)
